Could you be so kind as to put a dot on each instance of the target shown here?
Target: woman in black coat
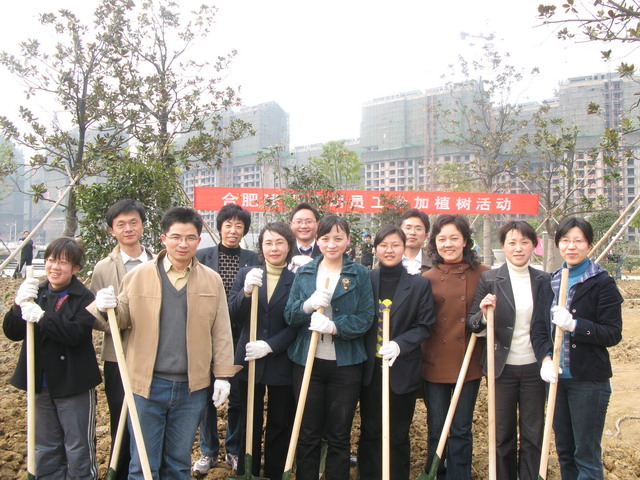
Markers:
(273, 367)
(516, 290)
(410, 302)
(591, 322)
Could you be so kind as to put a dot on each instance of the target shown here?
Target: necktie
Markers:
(306, 250)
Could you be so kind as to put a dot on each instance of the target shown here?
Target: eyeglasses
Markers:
(578, 242)
(180, 239)
(299, 223)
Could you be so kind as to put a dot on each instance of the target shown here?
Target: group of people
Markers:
(184, 318)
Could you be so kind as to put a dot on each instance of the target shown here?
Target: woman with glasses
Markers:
(337, 370)
(516, 290)
(269, 351)
(454, 277)
(409, 300)
(591, 322)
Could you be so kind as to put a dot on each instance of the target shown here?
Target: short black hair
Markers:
(181, 215)
(328, 222)
(469, 255)
(571, 222)
(305, 206)
(280, 228)
(521, 226)
(414, 212)
(125, 206)
(67, 248)
(231, 211)
(387, 230)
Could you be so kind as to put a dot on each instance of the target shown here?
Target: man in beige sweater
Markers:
(177, 312)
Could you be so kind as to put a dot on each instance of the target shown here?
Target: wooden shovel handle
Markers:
(386, 427)
(553, 387)
(31, 395)
(251, 375)
(491, 391)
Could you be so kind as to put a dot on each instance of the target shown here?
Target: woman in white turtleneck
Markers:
(515, 290)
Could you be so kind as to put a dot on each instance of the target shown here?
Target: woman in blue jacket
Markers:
(592, 321)
(337, 370)
(273, 367)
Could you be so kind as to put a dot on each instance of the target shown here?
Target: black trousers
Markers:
(520, 399)
(331, 404)
(280, 413)
(370, 446)
(115, 396)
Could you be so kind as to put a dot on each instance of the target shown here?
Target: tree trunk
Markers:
(71, 217)
(486, 240)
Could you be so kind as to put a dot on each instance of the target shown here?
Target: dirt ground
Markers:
(621, 440)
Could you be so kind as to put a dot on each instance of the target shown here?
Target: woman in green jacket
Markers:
(337, 370)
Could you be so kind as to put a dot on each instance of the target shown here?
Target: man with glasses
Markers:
(415, 225)
(304, 223)
(227, 259)
(179, 320)
(126, 220)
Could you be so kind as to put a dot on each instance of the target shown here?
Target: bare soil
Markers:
(621, 440)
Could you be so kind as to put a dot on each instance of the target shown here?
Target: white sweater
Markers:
(521, 352)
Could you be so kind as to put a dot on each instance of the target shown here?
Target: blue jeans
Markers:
(581, 408)
(459, 447)
(169, 419)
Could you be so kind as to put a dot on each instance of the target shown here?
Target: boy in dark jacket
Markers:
(66, 370)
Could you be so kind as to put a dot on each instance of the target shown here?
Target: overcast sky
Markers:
(322, 60)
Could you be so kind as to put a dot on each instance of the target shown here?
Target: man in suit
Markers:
(304, 223)
(415, 225)
(227, 259)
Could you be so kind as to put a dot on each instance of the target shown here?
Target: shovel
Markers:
(553, 387)
(433, 472)
(302, 400)
(491, 392)
(251, 387)
(128, 394)
(386, 427)
(117, 444)
(31, 396)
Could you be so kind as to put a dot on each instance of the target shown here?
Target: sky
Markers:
(321, 61)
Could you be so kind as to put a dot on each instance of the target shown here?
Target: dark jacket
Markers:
(412, 315)
(352, 305)
(26, 254)
(275, 368)
(314, 253)
(63, 343)
(597, 307)
(497, 282)
(209, 257)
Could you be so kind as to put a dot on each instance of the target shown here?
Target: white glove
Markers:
(546, 371)
(320, 323)
(298, 261)
(253, 278)
(563, 319)
(319, 298)
(390, 352)
(31, 312)
(221, 390)
(256, 350)
(105, 298)
(28, 290)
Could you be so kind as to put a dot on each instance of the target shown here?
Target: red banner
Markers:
(370, 201)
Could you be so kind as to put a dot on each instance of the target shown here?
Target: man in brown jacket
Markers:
(126, 220)
(177, 311)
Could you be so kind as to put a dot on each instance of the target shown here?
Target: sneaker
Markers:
(204, 464)
(232, 460)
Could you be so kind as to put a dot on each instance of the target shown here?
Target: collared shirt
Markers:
(412, 265)
(178, 279)
(306, 249)
(132, 262)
